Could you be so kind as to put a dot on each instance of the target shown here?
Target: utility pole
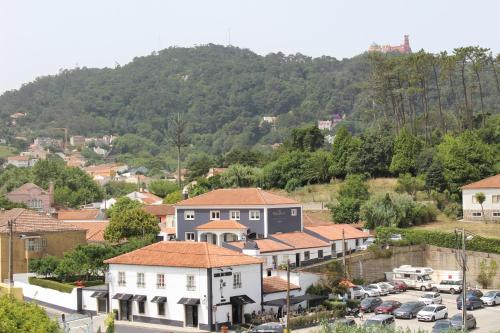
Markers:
(464, 283)
(10, 224)
(343, 249)
(287, 295)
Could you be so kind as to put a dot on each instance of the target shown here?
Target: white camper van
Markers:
(414, 277)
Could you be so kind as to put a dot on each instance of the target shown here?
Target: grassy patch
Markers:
(6, 151)
(444, 223)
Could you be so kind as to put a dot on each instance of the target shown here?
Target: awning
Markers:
(159, 299)
(100, 294)
(189, 301)
(282, 301)
(139, 298)
(123, 297)
(241, 300)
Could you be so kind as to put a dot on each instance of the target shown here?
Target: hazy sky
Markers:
(41, 36)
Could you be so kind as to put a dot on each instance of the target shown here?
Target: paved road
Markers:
(130, 329)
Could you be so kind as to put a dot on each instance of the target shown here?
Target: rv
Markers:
(414, 277)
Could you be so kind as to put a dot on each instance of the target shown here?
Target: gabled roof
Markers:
(95, 230)
(275, 284)
(80, 214)
(265, 245)
(236, 197)
(334, 231)
(299, 240)
(310, 220)
(29, 221)
(147, 198)
(490, 182)
(28, 187)
(160, 210)
(184, 254)
(221, 224)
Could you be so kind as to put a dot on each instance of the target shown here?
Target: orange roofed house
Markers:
(34, 197)
(472, 209)
(185, 284)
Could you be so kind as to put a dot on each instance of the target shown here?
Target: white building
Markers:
(21, 161)
(333, 234)
(472, 210)
(185, 284)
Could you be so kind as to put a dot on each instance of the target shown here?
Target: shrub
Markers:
(292, 184)
(453, 210)
(312, 320)
(62, 287)
(379, 252)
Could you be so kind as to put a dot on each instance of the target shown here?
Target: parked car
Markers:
(381, 289)
(474, 292)
(369, 304)
(443, 325)
(433, 312)
(387, 307)
(408, 310)
(431, 298)
(471, 302)
(345, 322)
(449, 286)
(366, 244)
(381, 320)
(456, 321)
(399, 286)
(367, 292)
(268, 328)
(491, 298)
(388, 286)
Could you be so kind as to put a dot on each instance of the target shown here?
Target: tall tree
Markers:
(340, 152)
(179, 139)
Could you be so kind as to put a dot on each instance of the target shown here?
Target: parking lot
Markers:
(488, 318)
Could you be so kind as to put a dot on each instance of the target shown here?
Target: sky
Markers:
(41, 37)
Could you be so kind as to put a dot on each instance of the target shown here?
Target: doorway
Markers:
(191, 315)
(237, 314)
(297, 259)
(125, 310)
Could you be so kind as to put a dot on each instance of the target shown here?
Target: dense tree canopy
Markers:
(24, 317)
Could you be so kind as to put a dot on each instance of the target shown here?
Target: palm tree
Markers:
(480, 197)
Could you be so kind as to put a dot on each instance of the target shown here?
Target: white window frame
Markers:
(293, 212)
(477, 214)
(122, 279)
(160, 281)
(190, 282)
(214, 215)
(141, 280)
(237, 280)
(234, 215)
(254, 215)
(188, 238)
(189, 215)
(496, 214)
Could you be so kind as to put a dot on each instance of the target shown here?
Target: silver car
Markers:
(491, 298)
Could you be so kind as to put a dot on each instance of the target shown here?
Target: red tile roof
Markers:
(18, 158)
(221, 224)
(95, 230)
(275, 284)
(184, 254)
(299, 240)
(167, 230)
(490, 182)
(160, 210)
(28, 187)
(311, 220)
(236, 197)
(79, 214)
(29, 221)
(334, 231)
(265, 245)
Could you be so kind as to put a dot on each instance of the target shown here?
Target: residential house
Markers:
(94, 230)
(145, 197)
(326, 125)
(77, 141)
(21, 161)
(185, 284)
(261, 213)
(105, 170)
(34, 235)
(334, 233)
(34, 197)
(472, 209)
(82, 215)
(164, 213)
(215, 171)
(46, 142)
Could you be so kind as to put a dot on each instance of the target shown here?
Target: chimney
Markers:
(51, 193)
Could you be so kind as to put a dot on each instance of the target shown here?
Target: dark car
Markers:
(408, 310)
(369, 304)
(456, 321)
(443, 325)
(345, 322)
(471, 302)
(387, 307)
(474, 292)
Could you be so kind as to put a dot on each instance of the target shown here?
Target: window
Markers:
(102, 305)
(334, 248)
(234, 215)
(121, 279)
(215, 215)
(161, 309)
(293, 212)
(496, 214)
(191, 285)
(236, 280)
(307, 255)
(189, 236)
(189, 215)
(476, 214)
(160, 281)
(254, 215)
(140, 280)
(357, 242)
(320, 254)
(35, 244)
(495, 198)
(140, 307)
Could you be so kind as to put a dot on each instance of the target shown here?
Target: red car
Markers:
(399, 286)
(387, 307)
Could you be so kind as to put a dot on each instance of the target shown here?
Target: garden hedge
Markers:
(62, 287)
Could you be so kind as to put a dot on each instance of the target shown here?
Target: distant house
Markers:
(77, 141)
(34, 197)
(46, 142)
(215, 171)
(105, 170)
(82, 215)
(21, 161)
(100, 151)
(164, 213)
(145, 197)
(326, 125)
(490, 187)
(270, 120)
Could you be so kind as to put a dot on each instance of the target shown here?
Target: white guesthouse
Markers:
(185, 284)
(490, 187)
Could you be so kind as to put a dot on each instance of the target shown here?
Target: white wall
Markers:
(467, 196)
(283, 256)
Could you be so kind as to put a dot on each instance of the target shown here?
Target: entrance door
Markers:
(191, 315)
(124, 310)
(297, 259)
(237, 314)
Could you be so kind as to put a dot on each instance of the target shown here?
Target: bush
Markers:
(312, 320)
(62, 287)
(453, 211)
(292, 185)
(379, 252)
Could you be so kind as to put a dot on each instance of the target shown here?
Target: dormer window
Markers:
(215, 215)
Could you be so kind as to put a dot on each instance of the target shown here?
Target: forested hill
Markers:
(223, 93)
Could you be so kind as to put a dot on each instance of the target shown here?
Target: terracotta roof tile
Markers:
(275, 284)
(221, 224)
(236, 197)
(27, 187)
(160, 210)
(490, 182)
(29, 221)
(310, 220)
(95, 230)
(167, 230)
(299, 240)
(184, 254)
(80, 214)
(18, 158)
(265, 245)
(334, 231)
